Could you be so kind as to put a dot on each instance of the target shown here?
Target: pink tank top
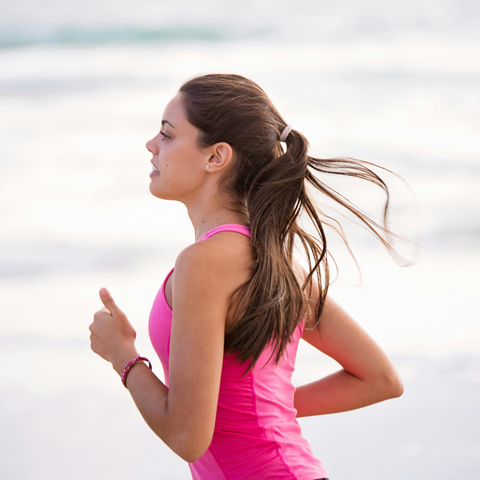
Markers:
(256, 432)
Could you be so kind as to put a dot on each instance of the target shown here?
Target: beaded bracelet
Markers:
(129, 365)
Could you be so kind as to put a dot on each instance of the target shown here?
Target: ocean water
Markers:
(83, 87)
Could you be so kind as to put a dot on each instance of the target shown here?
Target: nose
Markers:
(151, 146)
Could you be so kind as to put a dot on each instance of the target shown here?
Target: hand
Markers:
(112, 334)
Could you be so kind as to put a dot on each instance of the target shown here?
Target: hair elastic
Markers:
(285, 132)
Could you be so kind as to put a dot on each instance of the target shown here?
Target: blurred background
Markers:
(83, 86)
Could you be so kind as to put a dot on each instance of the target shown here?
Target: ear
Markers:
(221, 156)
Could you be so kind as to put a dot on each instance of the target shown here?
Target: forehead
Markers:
(174, 112)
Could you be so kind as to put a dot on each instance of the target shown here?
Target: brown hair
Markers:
(268, 185)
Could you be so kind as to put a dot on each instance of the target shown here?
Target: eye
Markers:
(165, 136)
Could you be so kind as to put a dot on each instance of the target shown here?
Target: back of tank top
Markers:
(256, 433)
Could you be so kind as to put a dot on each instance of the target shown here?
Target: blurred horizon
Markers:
(83, 87)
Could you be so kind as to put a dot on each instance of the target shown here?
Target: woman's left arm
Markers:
(368, 376)
(183, 416)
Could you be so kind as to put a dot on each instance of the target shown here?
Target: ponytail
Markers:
(269, 184)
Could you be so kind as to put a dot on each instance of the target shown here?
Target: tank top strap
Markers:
(227, 227)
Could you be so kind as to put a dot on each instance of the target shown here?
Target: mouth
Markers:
(154, 171)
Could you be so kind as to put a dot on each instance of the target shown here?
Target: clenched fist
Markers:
(112, 334)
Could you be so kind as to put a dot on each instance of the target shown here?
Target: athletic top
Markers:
(256, 433)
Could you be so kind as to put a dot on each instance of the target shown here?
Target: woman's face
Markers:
(180, 163)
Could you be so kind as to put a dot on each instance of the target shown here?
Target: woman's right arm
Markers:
(183, 415)
(368, 376)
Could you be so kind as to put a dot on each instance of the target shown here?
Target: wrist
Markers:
(119, 362)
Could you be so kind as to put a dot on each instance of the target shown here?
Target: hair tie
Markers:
(285, 133)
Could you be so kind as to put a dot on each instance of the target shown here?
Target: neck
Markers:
(210, 212)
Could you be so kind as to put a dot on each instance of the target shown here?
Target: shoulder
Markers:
(230, 247)
(220, 262)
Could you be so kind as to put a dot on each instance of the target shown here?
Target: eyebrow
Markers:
(166, 121)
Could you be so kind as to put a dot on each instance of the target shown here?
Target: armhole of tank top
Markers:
(164, 294)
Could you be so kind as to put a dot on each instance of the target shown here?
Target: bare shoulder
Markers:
(224, 251)
(220, 264)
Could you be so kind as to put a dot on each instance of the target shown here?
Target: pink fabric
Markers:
(256, 432)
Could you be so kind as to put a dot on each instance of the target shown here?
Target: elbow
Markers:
(399, 389)
(393, 385)
(190, 447)
(191, 455)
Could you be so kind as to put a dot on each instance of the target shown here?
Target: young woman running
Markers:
(228, 317)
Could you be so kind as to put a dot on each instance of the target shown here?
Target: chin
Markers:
(154, 191)
(158, 192)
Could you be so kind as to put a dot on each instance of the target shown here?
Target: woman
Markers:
(226, 324)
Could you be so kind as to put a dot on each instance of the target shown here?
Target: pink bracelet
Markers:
(129, 365)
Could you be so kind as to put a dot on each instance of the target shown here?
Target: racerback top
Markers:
(256, 434)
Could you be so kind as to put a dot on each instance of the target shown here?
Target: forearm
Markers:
(150, 395)
(184, 421)
(342, 391)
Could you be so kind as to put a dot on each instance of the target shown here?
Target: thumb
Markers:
(107, 300)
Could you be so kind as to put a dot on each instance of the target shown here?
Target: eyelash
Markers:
(165, 136)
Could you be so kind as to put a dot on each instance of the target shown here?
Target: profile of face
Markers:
(175, 154)
(180, 162)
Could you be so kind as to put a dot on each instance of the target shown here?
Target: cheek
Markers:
(181, 162)
(177, 158)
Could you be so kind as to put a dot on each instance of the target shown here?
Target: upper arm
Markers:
(200, 297)
(340, 337)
